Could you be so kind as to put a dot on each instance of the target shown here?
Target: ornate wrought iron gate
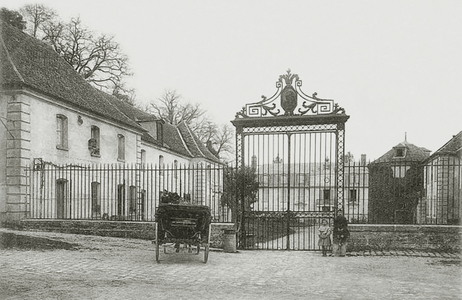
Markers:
(295, 150)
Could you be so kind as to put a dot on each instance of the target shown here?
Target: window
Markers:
(325, 204)
(161, 164)
(121, 148)
(94, 143)
(132, 200)
(95, 199)
(120, 200)
(326, 194)
(61, 132)
(142, 200)
(143, 157)
(175, 172)
(399, 152)
(160, 136)
(61, 198)
(353, 195)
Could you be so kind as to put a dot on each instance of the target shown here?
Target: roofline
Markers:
(31, 91)
(10, 60)
(194, 140)
(182, 140)
(439, 152)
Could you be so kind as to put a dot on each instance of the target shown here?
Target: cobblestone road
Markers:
(113, 268)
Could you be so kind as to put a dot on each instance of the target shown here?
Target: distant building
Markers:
(396, 184)
(312, 187)
(442, 199)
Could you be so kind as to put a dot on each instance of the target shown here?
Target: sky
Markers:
(394, 66)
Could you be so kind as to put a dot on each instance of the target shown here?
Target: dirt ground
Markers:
(92, 267)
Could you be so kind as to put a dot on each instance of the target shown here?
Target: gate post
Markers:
(240, 217)
(340, 135)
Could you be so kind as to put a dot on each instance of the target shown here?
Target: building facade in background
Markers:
(442, 199)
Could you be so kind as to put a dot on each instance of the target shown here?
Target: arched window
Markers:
(95, 199)
(175, 171)
(132, 200)
(161, 164)
(94, 142)
(61, 132)
(61, 198)
(143, 157)
(121, 200)
(121, 148)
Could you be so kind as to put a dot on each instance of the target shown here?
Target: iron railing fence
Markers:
(121, 191)
(404, 192)
(398, 192)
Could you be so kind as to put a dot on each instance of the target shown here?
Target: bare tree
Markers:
(37, 15)
(98, 59)
(222, 141)
(170, 108)
(13, 18)
(126, 95)
(218, 138)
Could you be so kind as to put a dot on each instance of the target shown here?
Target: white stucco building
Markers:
(50, 116)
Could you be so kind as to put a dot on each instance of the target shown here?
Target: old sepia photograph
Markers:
(247, 149)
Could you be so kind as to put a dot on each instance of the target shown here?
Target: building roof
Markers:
(195, 146)
(411, 153)
(452, 147)
(174, 140)
(27, 62)
(179, 139)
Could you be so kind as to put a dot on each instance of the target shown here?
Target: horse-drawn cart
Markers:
(183, 224)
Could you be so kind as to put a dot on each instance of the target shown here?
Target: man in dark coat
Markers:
(341, 235)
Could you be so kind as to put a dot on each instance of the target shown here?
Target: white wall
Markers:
(44, 137)
(153, 153)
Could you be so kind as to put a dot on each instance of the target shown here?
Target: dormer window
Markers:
(160, 132)
(400, 152)
(121, 148)
(154, 128)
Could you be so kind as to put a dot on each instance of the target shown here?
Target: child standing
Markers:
(341, 234)
(324, 233)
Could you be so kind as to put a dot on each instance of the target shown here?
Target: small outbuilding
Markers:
(396, 184)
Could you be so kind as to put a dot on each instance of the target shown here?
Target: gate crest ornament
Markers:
(289, 91)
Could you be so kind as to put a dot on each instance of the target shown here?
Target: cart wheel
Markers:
(206, 253)
(207, 246)
(157, 243)
(157, 251)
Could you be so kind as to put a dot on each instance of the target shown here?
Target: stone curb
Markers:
(409, 253)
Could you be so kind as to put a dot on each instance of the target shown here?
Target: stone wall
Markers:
(139, 230)
(405, 237)
(363, 237)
